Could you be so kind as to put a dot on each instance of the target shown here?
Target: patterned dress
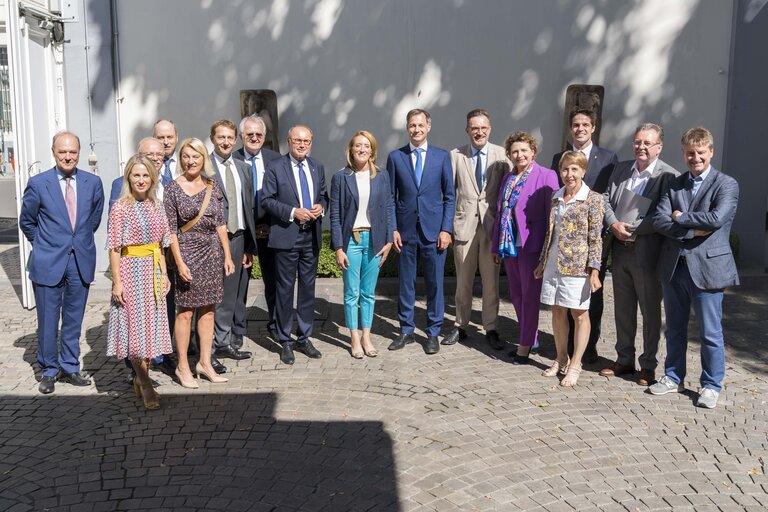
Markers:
(138, 329)
(200, 246)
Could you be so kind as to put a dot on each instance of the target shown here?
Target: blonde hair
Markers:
(197, 146)
(126, 194)
(374, 150)
(573, 157)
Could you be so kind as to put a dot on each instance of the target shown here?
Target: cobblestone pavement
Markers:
(463, 430)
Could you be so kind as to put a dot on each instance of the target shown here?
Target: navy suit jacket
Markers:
(430, 205)
(114, 193)
(280, 195)
(599, 169)
(709, 258)
(246, 191)
(345, 203)
(268, 155)
(45, 223)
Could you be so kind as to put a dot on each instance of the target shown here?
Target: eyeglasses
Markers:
(255, 135)
(305, 142)
(644, 144)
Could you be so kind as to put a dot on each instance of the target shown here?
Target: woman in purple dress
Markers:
(194, 207)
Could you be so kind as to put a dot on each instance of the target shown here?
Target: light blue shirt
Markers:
(63, 183)
(698, 180)
(481, 154)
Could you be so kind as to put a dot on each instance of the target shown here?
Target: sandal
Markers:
(370, 352)
(572, 377)
(556, 369)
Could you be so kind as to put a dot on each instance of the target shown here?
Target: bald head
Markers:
(165, 132)
(153, 149)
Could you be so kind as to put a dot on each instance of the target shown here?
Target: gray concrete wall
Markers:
(340, 66)
(746, 129)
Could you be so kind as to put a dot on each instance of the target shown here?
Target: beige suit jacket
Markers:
(476, 207)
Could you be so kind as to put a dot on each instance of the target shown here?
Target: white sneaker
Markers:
(665, 385)
(707, 398)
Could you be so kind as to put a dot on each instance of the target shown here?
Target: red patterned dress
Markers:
(139, 329)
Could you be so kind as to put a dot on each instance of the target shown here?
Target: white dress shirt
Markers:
(220, 164)
(639, 180)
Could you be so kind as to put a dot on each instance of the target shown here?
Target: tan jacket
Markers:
(476, 207)
(580, 245)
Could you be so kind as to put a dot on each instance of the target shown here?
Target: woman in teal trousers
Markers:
(361, 235)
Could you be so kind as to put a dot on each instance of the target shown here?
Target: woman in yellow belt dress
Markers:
(137, 237)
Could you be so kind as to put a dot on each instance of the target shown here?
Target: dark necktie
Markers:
(306, 199)
(69, 200)
(231, 197)
(479, 171)
(167, 177)
(418, 168)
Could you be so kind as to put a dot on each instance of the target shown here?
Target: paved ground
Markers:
(463, 430)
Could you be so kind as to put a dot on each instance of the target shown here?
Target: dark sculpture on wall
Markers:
(262, 102)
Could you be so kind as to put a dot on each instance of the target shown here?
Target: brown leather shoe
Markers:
(617, 369)
(646, 377)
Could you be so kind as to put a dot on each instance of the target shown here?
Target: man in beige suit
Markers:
(477, 171)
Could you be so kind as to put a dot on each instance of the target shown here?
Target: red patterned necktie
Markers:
(69, 200)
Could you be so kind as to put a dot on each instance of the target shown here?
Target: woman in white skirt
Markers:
(570, 262)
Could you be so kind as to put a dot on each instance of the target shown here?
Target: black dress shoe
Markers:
(589, 357)
(218, 367)
(166, 366)
(431, 346)
(519, 360)
(309, 350)
(402, 341)
(494, 341)
(286, 355)
(237, 341)
(456, 334)
(47, 385)
(76, 379)
(232, 353)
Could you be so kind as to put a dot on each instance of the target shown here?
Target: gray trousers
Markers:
(633, 286)
(234, 293)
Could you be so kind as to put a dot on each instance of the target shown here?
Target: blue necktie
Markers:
(167, 176)
(305, 197)
(479, 171)
(259, 213)
(419, 166)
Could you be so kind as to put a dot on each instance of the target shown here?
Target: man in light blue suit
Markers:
(696, 264)
(60, 212)
(422, 189)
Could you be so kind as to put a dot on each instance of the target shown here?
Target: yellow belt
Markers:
(143, 251)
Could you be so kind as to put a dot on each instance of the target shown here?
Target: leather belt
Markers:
(235, 234)
(356, 233)
(624, 243)
(305, 226)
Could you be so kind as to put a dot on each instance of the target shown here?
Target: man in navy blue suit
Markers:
(60, 212)
(422, 189)
(601, 163)
(295, 197)
(253, 133)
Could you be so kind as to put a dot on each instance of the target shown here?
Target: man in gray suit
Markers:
(235, 181)
(635, 245)
(696, 264)
(477, 171)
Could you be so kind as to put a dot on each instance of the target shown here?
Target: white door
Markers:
(37, 94)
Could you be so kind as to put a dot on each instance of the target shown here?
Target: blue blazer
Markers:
(45, 223)
(430, 205)
(279, 195)
(599, 169)
(268, 155)
(345, 201)
(709, 258)
(114, 193)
